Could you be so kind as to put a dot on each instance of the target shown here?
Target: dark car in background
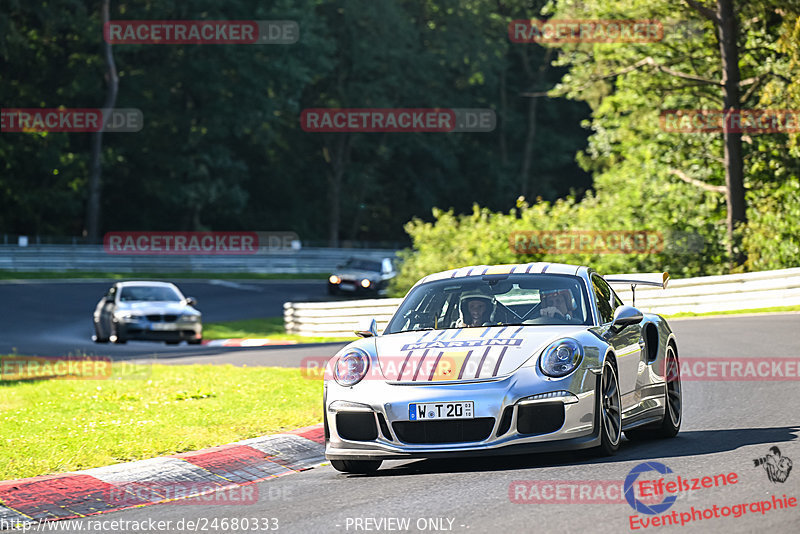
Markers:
(147, 311)
(362, 276)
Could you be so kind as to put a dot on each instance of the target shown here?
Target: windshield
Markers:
(149, 294)
(526, 299)
(363, 265)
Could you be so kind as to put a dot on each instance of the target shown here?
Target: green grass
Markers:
(735, 312)
(271, 327)
(49, 275)
(53, 426)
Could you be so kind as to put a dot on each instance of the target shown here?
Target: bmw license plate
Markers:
(440, 410)
(163, 326)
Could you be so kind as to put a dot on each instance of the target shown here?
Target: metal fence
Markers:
(38, 258)
(703, 294)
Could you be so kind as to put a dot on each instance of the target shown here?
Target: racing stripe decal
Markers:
(435, 365)
(464, 365)
(419, 366)
(486, 331)
(500, 332)
(483, 358)
(403, 367)
(499, 359)
(517, 331)
(528, 269)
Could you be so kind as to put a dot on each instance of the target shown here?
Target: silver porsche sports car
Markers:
(503, 359)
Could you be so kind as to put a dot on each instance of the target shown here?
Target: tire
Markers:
(610, 410)
(673, 415)
(114, 337)
(356, 466)
(97, 337)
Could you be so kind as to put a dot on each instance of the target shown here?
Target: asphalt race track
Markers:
(52, 318)
(726, 425)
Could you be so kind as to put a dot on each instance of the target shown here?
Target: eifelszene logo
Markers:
(777, 467)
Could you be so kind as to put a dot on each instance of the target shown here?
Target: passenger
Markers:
(557, 303)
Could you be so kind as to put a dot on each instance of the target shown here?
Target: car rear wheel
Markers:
(671, 424)
(610, 411)
(356, 466)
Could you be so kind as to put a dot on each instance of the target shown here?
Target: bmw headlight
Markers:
(128, 317)
(191, 318)
(351, 367)
(561, 357)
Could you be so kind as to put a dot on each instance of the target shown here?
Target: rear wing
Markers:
(639, 279)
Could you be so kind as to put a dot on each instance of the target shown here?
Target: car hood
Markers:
(150, 308)
(463, 354)
(352, 274)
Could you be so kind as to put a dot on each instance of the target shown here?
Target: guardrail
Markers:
(702, 294)
(40, 258)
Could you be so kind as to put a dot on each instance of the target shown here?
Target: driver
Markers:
(475, 309)
(557, 303)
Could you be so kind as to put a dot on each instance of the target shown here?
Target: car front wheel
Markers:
(98, 337)
(610, 411)
(356, 466)
(115, 337)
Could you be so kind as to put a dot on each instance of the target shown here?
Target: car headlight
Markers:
(351, 367)
(128, 317)
(365, 283)
(334, 279)
(561, 357)
(191, 318)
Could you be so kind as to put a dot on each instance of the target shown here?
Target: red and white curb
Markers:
(194, 474)
(247, 342)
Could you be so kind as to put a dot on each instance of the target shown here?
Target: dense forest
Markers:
(222, 146)
(579, 142)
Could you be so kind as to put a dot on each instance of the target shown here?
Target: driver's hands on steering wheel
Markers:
(551, 311)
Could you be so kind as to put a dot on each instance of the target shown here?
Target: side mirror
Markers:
(625, 316)
(191, 301)
(367, 328)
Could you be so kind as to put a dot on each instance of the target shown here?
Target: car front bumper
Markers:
(160, 331)
(511, 415)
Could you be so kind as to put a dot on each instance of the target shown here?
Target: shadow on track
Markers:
(689, 443)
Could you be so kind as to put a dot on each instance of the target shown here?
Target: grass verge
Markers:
(775, 309)
(271, 327)
(23, 275)
(53, 426)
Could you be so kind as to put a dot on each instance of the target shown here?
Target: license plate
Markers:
(440, 410)
(347, 287)
(163, 326)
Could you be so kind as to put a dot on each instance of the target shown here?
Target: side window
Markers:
(603, 294)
